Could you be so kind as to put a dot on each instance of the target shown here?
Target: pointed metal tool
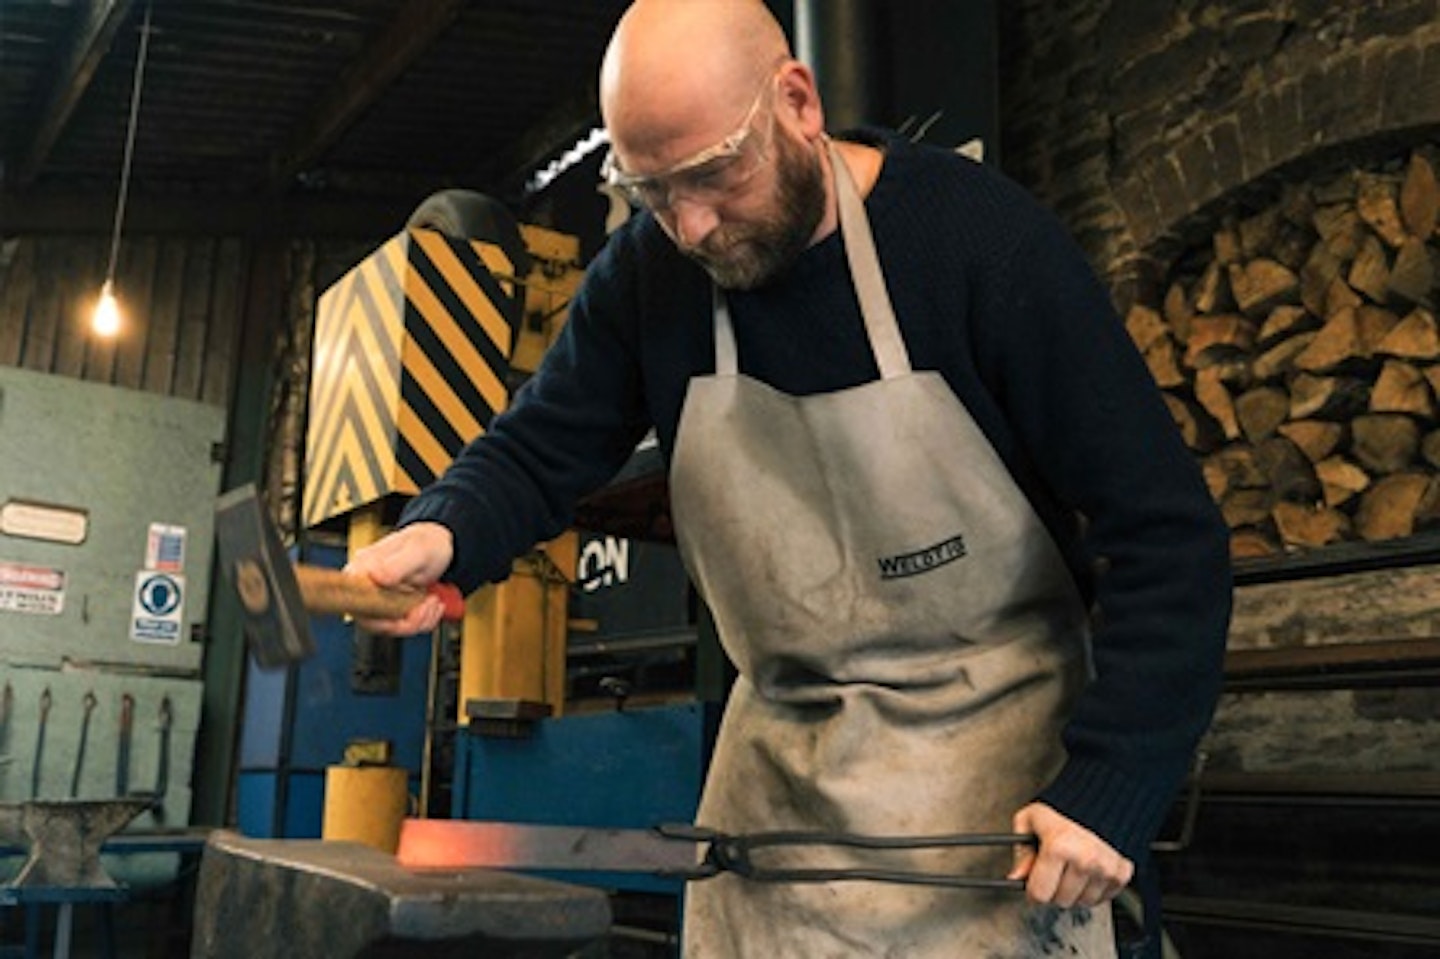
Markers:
(39, 762)
(89, 707)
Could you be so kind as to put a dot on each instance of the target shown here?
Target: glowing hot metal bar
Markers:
(684, 851)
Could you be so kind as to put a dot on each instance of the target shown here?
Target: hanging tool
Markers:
(275, 594)
(7, 703)
(156, 796)
(89, 706)
(162, 764)
(40, 744)
(122, 751)
(679, 851)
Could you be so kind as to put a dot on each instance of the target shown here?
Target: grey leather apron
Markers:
(908, 642)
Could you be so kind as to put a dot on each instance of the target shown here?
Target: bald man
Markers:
(888, 389)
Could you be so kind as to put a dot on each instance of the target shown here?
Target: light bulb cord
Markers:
(129, 146)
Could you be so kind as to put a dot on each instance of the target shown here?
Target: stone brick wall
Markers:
(1138, 120)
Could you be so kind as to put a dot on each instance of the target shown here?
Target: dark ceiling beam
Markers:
(548, 137)
(417, 26)
(97, 21)
(24, 214)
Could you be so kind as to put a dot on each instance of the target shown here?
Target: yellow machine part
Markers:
(413, 357)
(411, 362)
(513, 640)
(549, 287)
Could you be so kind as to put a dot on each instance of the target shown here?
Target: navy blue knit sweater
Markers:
(992, 294)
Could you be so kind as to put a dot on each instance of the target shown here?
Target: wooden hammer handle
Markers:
(326, 590)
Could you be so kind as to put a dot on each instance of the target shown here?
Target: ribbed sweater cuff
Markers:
(1124, 811)
(465, 569)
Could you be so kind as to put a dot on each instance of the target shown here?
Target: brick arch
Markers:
(1381, 95)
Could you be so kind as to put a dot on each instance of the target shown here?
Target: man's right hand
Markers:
(413, 557)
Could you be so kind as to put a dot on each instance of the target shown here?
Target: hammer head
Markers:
(254, 562)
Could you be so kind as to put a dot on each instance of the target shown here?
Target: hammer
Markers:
(276, 594)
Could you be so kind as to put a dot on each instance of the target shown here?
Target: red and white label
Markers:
(39, 590)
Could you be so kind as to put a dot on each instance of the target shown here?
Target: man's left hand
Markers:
(1072, 867)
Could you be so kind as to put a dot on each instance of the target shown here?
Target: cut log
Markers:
(1297, 204)
(1337, 345)
(1286, 321)
(1327, 397)
(1412, 278)
(1339, 296)
(1387, 509)
(1292, 476)
(1212, 292)
(1178, 311)
(1340, 480)
(1216, 480)
(1377, 206)
(1280, 358)
(1226, 244)
(1341, 230)
(1338, 189)
(1317, 439)
(1162, 359)
(1240, 466)
(1427, 511)
(1372, 325)
(1260, 411)
(1370, 273)
(1259, 234)
(1217, 337)
(1252, 544)
(1416, 337)
(1197, 429)
(1310, 526)
(1215, 399)
(1384, 442)
(1401, 388)
(1262, 284)
(1321, 268)
(1420, 198)
(1234, 371)
(1430, 448)
(1246, 507)
(1293, 248)
(1432, 375)
(1145, 326)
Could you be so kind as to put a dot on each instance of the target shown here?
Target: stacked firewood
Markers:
(1300, 358)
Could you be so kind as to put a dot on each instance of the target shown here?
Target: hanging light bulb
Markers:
(106, 319)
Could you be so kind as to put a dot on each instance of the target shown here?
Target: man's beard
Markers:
(747, 256)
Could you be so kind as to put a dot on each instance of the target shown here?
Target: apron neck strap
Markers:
(891, 356)
(726, 363)
(883, 329)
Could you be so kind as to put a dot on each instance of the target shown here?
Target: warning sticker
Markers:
(165, 548)
(159, 607)
(38, 590)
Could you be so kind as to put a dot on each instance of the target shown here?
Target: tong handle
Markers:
(727, 853)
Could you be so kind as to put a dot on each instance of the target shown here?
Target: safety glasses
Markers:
(707, 177)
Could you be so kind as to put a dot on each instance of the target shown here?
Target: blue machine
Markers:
(299, 720)
(634, 768)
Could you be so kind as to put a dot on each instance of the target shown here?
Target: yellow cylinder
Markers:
(365, 804)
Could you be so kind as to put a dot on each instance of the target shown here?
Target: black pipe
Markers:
(847, 44)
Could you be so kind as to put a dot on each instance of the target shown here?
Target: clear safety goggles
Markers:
(707, 177)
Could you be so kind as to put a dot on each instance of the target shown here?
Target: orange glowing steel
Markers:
(437, 844)
(466, 844)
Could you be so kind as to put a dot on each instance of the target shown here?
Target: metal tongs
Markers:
(733, 854)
